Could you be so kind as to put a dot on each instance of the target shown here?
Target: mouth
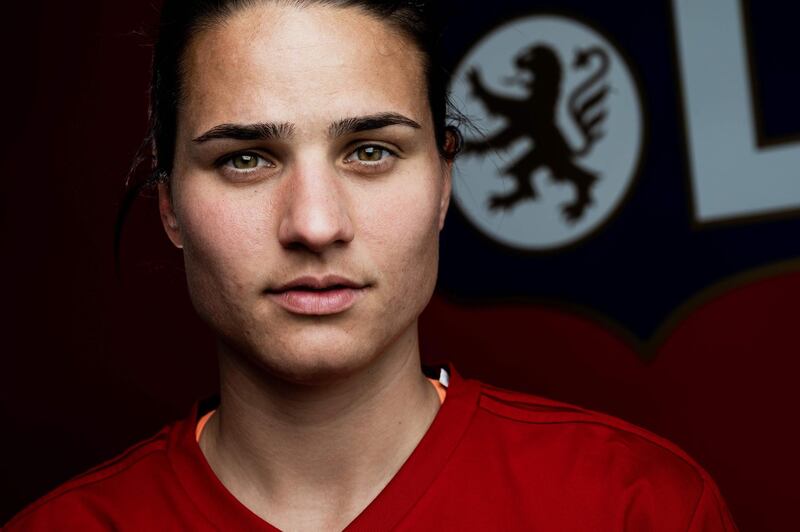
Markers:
(317, 296)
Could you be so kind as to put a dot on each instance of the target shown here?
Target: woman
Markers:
(304, 169)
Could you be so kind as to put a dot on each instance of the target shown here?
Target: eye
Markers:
(246, 161)
(245, 167)
(369, 155)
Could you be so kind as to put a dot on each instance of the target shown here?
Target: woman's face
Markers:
(307, 192)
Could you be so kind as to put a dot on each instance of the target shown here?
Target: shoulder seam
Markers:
(159, 437)
(697, 505)
(583, 416)
(92, 476)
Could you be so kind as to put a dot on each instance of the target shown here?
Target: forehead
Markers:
(307, 65)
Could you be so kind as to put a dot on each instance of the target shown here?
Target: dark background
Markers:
(94, 360)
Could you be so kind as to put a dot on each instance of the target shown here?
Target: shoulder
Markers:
(80, 502)
(598, 449)
(572, 468)
(524, 413)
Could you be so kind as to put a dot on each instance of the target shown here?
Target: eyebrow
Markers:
(273, 131)
(349, 126)
(260, 131)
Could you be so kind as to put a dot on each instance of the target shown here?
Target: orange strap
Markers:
(440, 389)
(201, 424)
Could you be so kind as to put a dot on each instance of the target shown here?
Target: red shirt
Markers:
(491, 460)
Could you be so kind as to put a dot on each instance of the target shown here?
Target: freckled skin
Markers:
(317, 413)
(312, 215)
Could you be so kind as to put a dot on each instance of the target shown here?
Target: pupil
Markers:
(244, 161)
(370, 154)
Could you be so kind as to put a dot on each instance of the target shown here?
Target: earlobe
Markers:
(453, 142)
(168, 218)
(447, 187)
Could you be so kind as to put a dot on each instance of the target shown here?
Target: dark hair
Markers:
(421, 21)
(181, 19)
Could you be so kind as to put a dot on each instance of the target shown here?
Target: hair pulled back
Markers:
(419, 20)
(182, 19)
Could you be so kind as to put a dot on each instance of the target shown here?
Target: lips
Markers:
(317, 296)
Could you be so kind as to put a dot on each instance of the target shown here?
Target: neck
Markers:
(313, 456)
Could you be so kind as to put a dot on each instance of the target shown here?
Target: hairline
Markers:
(219, 19)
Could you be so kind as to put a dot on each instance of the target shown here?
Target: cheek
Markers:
(223, 235)
(403, 231)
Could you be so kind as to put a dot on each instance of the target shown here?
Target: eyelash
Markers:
(226, 163)
(377, 165)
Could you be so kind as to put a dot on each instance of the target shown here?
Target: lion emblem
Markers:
(540, 72)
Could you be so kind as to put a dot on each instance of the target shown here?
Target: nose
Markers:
(315, 214)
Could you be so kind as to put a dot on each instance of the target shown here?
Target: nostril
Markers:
(315, 213)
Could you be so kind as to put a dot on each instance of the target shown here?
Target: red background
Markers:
(93, 362)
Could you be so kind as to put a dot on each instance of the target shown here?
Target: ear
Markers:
(447, 188)
(453, 141)
(168, 218)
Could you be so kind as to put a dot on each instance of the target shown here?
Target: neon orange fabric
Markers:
(201, 424)
(440, 389)
(491, 460)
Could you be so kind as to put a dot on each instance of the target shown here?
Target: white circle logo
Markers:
(561, 129)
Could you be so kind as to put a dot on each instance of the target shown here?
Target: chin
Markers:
(317, 358)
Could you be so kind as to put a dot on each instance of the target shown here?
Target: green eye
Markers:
(370, 154)
(371, 158)
(245, 161)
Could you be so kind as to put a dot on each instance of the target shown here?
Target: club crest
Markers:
(560, 132)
